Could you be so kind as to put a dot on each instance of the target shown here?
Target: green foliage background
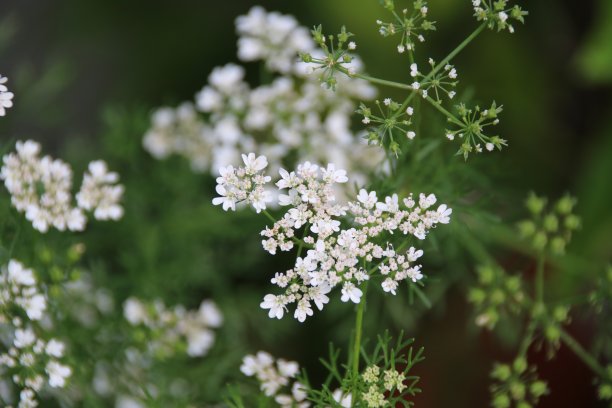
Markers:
(87, 74)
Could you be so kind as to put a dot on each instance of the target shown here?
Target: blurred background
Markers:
(86, 76)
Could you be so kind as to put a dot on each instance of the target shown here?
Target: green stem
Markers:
(270, 217)
(457, 50)
(527, 338)
(358, 331)
(584, 355)
(450, 116)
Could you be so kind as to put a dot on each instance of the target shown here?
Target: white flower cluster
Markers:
(273, 38)
(19, 288)
(174, 325)
(275, 375)
(292, 117)
(100, 193)
(32, 361)
(41, 188)
(498, 14)
(244, 184)
(438, 84)
(6, 97)
(339, 238)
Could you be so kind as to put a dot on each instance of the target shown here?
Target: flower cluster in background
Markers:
(41, 187)
(276, 376)
(31, 361)
(6, 97)
(168, 326)
(335, 255)
(291, 118)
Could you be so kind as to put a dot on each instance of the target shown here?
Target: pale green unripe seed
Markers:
(520, 365)
(538, 388)
(540, 240)
(557, 245)
(501, 401)
(551, 223)
(501, 372)
(535, 204)
(517, 390)
(572, 222)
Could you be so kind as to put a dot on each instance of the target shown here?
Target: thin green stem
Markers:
(584, 355)
(528, 338)
(270, 217)
(457, 50)
(450, 116)
(358, 332)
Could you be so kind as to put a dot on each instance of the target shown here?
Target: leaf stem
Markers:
(584, 355)
(358, 332)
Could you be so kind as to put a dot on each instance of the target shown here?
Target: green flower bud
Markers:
(540, 240)
(306, 57)
(389, 5)
(572, 222)
(45, 255)
(523, 404)
(565, 205)
(75, 252)
(517, 390)
(501, 372)
(55, 291)
(501, 401)
(538, 388)
(486, 275)
(513, 283)
(557, 245)
(535, 204)
(477, 296)
(560, 313)
(551, 223)
(56, 274)
(553, 333)
(526, 228)
(520, 365)
(498, 297)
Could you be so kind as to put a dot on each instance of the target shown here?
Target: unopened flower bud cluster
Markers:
(385, 125)
(42, 189)
(497, 294)
(32, 362)
(276, 379)
(516, 385)
(170, 328)
(436, 84)
(380, 383)
(290, 117)
(336, 253)
(549, 229)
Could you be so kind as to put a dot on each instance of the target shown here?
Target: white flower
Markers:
(352, 45)
(415, 85)
(58, 373)
(502, 16)
(6, 97)
(24, 338)
(411, 135)
(99, 193)
(55, 348)
(490, 146)
(345, 400)
(414, 71)
(134, 311)
(410, 111)
(275, 304)
(351, 292)
(444, 214)
(389, 285)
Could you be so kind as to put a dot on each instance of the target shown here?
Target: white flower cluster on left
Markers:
(274, 376)
(6, 97)
(176, 324)
(41, 188)
(32, 361)
(346, 244)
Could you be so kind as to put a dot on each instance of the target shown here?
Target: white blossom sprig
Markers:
(6, 97)
(410, 25)
(497, 14)
(340, 239)
(41, 187)
(169, 328)
(33, 360)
